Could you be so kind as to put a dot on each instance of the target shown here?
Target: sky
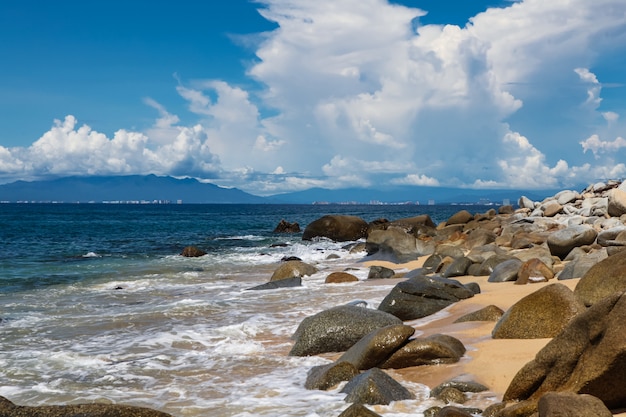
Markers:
(274, 96)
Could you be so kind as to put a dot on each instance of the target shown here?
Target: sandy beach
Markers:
(491, 362)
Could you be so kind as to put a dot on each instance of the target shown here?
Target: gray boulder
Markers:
(458, 267)
(377, 346)
(337, 329)
(375, 387)
(8, 409)
(336, 227)
(431, 350)
(380, 272)
(563, 241)
(282, 283)
(505, 271)
(542, 314)
(358, 410)
(422, 296)
(397, 245)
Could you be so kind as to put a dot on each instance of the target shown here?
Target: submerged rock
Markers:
(375, 387)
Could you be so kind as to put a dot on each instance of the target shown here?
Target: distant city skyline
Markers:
(274, 96)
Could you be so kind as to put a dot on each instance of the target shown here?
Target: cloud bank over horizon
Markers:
(360, 93)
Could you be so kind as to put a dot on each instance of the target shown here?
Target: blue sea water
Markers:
(97, 305)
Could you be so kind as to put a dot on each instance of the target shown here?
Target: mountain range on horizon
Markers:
(152, 188)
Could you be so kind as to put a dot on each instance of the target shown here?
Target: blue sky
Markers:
(283, 95)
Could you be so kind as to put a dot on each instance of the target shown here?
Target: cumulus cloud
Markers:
(597, 146)
(416, 179)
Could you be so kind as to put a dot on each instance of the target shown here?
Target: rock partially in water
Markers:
(337, 329)
(375, 387)
(8, 409)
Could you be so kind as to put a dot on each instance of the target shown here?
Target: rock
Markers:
(506, 209)
(542, 314)
(380, 272)
(336, 227)
(413, 223)
(617, 202)
(551, 208)
(292, 269)
(325, 377)
(375, 387)
(422, 296)
(566, 196)
(525, 202)
(340, 277)
(358, 410)
(431, 350)
(609, 237)
(587, 357)
(460, 217)
(505, 271)
(479, 237)
(458, 267)
(286, 227)
(337, 329)
(282, 283)
(489, 313)
(377, 346)
(603, 279)
(448, 250)
(451, 411)
(397, 245)
(192, 252)
(578, 267)
(555, 404)
(8, 409)
(534, 270)
(463, 386)
(563, 241)
(489, 264)
(451, 395)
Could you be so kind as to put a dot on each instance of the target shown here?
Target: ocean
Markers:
(97, 305)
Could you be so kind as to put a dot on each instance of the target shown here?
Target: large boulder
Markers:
(8, 409)
(336, 227)
(603, 279)
(397, 245)
(563, 241)
(542, 314)
(460, 217)
(431, 350)
(375, 387)
(192, 252)
(587, 357)
(377, 346)
(291, 269)
(422, 296)
(337, 329)
(617, 202)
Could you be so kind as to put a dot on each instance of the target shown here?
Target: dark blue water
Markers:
(46, 244)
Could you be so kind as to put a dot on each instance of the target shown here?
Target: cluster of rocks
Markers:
(570, 235)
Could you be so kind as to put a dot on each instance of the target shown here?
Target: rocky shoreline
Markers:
(534, 312)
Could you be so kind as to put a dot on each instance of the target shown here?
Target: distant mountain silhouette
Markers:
(150, 188)
(124, 188)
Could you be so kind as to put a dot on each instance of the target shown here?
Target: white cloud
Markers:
(416, 179)
(610, 116)
(597, 146)
(593, 92)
